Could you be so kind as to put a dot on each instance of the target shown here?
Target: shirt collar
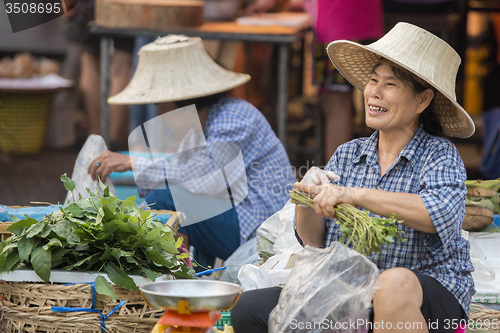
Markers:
(411, 151)
(369, 148)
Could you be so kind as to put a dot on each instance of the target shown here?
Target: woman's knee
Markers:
(398, 286)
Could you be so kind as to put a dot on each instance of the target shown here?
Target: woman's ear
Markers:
(425, 99)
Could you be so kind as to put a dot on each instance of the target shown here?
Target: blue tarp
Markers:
(34, 212)
(39, 212)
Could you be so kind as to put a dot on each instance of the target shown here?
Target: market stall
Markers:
(70, 300)
(77, 267)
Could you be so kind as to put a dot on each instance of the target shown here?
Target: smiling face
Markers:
(392, 105)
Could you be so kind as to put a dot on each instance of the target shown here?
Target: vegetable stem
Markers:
(367, 234)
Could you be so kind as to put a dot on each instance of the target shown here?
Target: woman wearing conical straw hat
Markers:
(230, 171)
(405, 167)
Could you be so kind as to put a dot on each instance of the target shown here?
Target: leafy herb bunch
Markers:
(100, 234)
(368, 234)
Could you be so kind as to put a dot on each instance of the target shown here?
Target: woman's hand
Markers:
(108, 162)
(325, 198)
(313, 180)
(327, 195)
(310, 223)
(317, 176)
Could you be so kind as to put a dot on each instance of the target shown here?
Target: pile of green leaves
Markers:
(100, 234)
(368, 234)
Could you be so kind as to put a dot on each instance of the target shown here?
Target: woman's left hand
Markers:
(326, 196)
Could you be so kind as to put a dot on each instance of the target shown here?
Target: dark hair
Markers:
(202, 102)
(428, 118)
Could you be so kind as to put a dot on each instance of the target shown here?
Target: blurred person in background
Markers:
(358, 20)
(355, 20)
(184, 74)
(89, 81)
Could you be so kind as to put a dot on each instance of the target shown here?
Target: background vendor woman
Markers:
(177, 72)
(405, 167)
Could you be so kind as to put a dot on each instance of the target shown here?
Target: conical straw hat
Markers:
(175, 68)
(421, 53)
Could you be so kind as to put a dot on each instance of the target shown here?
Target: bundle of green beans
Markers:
(368, 234)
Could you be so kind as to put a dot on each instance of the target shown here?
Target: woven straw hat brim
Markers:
(356, 63)
(169, 73)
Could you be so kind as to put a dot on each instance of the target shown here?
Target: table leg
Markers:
(104, 72)
(283, 58)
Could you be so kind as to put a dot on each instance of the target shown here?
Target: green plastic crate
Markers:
(225, 319)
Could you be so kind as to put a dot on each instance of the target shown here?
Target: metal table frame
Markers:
(279, 36)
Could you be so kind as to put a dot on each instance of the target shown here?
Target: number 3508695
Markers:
(33, 7)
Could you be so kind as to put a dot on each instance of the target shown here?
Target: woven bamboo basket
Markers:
(27, 307)
(23, 120)
(482, 319)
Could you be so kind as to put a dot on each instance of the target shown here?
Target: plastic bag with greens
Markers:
(329, 290)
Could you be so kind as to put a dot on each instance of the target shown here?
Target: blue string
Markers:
(93, 294)
(210, 271)
(91, 309)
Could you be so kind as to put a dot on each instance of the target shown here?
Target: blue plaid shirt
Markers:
(233, 124)
(432, 168)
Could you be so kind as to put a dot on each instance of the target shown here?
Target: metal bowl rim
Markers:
(141, 288)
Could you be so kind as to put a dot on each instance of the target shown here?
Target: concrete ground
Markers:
(29, 178)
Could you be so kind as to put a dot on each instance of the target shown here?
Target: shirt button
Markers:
(379, 187)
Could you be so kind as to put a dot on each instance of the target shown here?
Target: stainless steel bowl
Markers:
(202, 295)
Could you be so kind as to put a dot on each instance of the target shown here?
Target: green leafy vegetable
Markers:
(69, 184)
(100, 234)
(368, 234)
(103, 287)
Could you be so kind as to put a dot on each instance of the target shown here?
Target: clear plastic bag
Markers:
(246, 254)
(329, 290)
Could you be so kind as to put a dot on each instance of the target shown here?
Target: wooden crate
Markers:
(174, 221)
(4, 233)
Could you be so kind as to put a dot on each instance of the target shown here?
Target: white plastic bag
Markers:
(93, 147)
(329, 290)
(276, 235)
(270, 274)
(482, 270)
(276, 242)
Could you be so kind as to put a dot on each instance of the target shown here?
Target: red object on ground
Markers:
(199, 319)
